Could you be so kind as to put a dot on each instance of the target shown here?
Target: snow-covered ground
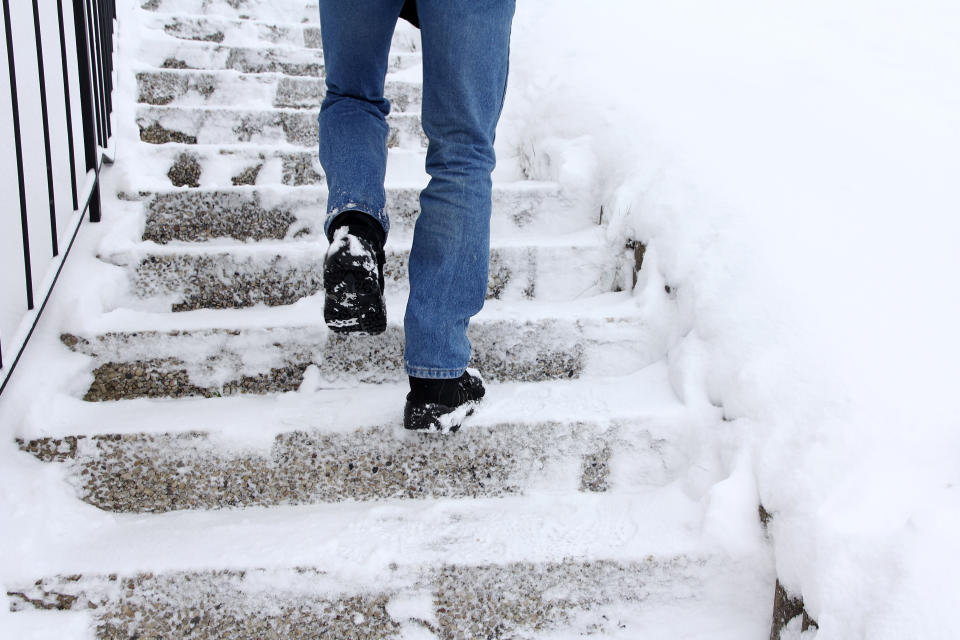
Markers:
(791, 168)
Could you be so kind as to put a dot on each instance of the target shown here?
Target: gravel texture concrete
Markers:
(162, 88)
(232, 126)
(225, 280)
(242, 214)
(153, 473)
(202, 215)
(460, 602)
(213, 28)
(217, 362)
(186, 171)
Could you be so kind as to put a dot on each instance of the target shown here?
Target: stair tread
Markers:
(630, 525)
(680, 596)
(289, 60)
(161, 472)
(609, 307)
(233, 9)
(645, 396)
(590, 238)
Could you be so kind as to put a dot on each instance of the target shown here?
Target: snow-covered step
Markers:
(658, 597)
(215, 166)
(252, 32)
(266, 350)
(559, 565)
(292, 61)
(264, 212)
(212, 166)
(232, 276)
(186, 88)
(192, 125)
(646, 396)
(273, 10)
(346, 443)
(157, 472)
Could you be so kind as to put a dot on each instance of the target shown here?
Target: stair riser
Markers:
(218, 362)
(452, 602)
(193, 89)
(214, 57)
(226, 167)
(263, 214)
(224, 31)
(266, 10)
(156, 473)
(225, 280)
(159, 125)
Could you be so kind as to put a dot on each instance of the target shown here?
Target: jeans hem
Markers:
(379, 214)
(434, 373)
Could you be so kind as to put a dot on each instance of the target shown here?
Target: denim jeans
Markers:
(465, 57)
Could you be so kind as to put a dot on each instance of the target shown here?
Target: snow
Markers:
(791, 169)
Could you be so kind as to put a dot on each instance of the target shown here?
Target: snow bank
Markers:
(791, 167)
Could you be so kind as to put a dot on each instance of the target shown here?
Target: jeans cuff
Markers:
(434, 373)
(379, 214)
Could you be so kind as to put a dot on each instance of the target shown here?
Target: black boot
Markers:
(353, 275)
(441, 405)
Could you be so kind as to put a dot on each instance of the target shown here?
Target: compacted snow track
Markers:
(262, 484)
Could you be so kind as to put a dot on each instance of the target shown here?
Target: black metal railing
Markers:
(85, 44)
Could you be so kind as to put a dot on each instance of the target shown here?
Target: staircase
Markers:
(263, 485)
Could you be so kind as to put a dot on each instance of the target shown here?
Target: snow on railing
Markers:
(59, 61)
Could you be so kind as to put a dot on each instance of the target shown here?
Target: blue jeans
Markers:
(465, 56)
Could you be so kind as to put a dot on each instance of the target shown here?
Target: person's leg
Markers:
(353, 151)
(465, 55)
(353, 129)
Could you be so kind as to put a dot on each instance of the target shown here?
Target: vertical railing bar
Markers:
(71, 149)
(90, 39)
(45, 121)
(87, 112)
(107, 40)
(18, 146)
(96, 26)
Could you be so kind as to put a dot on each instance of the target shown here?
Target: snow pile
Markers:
(789, 166)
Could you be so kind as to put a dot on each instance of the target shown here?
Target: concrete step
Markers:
(298, 127)
(215, 166)
(561, 599)
(158, 472)
(184, 278)
(237, 32)
(346, 443)
(214, 353)
(292, 61)
(269, 10)
(185, 88)
(265, 213)
(563, 566)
